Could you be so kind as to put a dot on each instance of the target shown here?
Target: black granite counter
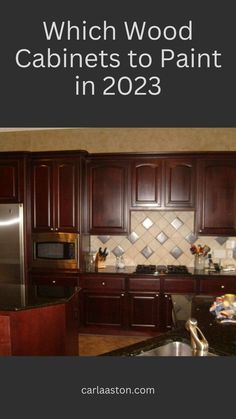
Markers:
(221, 337)
(130, 270)
(19, 297)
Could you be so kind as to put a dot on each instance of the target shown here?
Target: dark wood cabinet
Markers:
(144, 310)
(216, 213)
(11, 179)
(146, 183)
(218, 286)
(108, 189)
(102, 302)
(179, 183)
(163, 183)
(166, 312)
(55, 195)
(143, 300)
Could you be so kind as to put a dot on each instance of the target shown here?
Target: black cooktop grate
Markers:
(161, 269)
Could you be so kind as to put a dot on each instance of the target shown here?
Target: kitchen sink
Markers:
(173, 348)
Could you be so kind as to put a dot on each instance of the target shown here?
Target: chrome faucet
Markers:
(198, 341)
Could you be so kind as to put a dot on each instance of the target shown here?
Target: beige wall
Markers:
(120, 139)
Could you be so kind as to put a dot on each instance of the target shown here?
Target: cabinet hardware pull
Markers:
(222, 286)
(53, 282)
(51, 229)
(122, 295)
(103, 283)
(56, 229)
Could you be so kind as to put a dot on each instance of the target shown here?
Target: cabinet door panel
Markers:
(146, 184)
(108, 198)
(217, 198)
(180, 183)
(103, 309)
(42, 196)
(9, 180)
(67, 196)
(144, 310)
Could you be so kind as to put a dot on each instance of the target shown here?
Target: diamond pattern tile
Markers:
(176, 252)
(147, 252)
(118, 251)
(221, 240)
(104, 239)
(133, 237)
(147, 223)
(162, 237)
(177, 223)
(191, 238)
(158, 237)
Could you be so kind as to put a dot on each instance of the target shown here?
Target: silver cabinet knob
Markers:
(222, 286)
(103, 283)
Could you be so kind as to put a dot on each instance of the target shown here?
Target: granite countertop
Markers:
(221, 337)
(19, 297)
(130, 270)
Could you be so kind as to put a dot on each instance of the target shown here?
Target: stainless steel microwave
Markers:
(55, 250)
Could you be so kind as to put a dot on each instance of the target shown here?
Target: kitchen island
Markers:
(34, 325)
(221, 337)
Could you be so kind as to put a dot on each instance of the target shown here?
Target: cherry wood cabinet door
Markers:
(103, 309)
(144, 310)
(11, 180)
(146, 183)
(67, 196)
(108, 186)
(55, 195)
(217, 197)
(42, 195)
(179, 183)
(166, 312)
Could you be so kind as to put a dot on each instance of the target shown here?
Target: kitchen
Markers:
(130, 305)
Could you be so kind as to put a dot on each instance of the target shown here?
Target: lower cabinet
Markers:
(103, 309)
(144, 310)
(102, 302)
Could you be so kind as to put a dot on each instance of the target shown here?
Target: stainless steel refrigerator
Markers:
(11, 244)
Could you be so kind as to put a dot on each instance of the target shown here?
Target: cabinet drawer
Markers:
(92, 283)
(179, 285)
(216, 286)
(65, 282)
(144, 284)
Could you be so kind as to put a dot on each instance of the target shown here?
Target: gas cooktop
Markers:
(161, 269)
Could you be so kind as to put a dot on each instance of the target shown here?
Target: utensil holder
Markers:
(199, 262)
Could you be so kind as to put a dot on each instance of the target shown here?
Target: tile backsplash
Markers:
(162, 238)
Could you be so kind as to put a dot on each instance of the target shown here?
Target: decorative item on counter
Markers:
(224, 308)
(120, 263)
(100, 260)
(200, 252)
(89, 261)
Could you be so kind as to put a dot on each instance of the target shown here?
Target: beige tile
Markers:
(170, 216)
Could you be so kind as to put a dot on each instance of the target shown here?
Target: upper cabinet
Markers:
(216, 213)
(163, 183)
(146, 183)
(55, 194)
(108, 182)
(11, 179)
(179, 183)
